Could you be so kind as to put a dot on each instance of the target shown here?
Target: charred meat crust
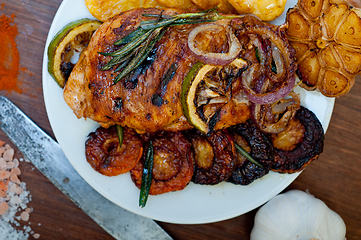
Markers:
(307, 151)
(261, 150)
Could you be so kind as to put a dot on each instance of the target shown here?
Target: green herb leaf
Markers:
(141, 41)
(147, 176)
(245, 154)
(131, 36)
(257, 54)
(120, 134)
(144, 50)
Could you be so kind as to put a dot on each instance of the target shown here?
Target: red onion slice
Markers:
(210, 57)
(268, 97)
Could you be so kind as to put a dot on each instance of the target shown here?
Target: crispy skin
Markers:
(140, 101)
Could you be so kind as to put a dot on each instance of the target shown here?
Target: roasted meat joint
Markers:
(200, 96)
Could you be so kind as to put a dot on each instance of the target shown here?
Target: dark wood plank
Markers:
(335, 177)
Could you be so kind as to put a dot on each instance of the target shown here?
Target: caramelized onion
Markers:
(274, 118)
(211, 57)
(267, 97)
(269, 42)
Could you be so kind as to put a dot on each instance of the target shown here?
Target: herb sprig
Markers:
(138, 44)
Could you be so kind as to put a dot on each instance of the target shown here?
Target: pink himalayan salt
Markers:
(15, 171)
(3, 164)
(8, 154)
(3, 207)
(14, 179)
(36, 235)
(4, 175)
(2, 150)
(16, 162)
(2, 143)
(28, 210)
(13, 188)
(2, 194)
(24, 216)
(10, 165)
(19, 190)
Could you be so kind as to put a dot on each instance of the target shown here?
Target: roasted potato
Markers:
(266, 10)
(105, 9)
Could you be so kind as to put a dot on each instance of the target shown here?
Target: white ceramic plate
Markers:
(196, 203)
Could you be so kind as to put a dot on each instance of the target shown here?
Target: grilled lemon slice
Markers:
(75, 36)
(205, 90)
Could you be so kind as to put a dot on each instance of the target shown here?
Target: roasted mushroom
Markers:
(214, 157)
(299, 144)
(326, 35)
(251, 139)
(173, 163)
(104, 154)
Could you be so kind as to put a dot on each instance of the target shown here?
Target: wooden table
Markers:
(335, 177)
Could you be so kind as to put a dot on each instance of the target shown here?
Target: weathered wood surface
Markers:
(335, 177)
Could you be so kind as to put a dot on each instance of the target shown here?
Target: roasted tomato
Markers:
(299, 144)
(214, 157)
(173, 163)
(103, 153)
(251, 139)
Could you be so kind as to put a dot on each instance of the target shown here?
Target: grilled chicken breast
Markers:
(148, 99)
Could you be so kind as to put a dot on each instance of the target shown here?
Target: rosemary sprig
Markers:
(147, 175)
(245, 154)
(139, 57)
(138, 44)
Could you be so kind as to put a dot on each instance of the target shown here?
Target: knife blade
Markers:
(47, 156)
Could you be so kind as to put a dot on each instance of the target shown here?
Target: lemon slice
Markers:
(206, 89)
(75, 36)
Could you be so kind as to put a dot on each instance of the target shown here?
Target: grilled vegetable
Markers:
(75, 36)
(205, 90)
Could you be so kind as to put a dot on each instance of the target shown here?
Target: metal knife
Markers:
(46, 155)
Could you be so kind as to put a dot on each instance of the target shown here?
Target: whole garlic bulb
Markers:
(297, 215)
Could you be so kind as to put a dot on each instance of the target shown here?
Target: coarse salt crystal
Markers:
(16, 162)
(2, 143)
(36, 235)
(3, 207)
(15, 171)
(4, 175)
(19, 190)
(13, 188)
(2, 194)
(2, 150)
(3, 165)
(24, 216)
(13, 198)
(10, 165)
(8, 154)
(14, 179)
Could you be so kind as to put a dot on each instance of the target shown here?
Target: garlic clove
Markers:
(297, 215)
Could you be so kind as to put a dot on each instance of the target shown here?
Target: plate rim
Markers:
(199, 220)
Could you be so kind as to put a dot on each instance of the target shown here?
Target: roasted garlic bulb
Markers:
(326, 35)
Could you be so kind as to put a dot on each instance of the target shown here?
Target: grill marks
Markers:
(157, 98)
